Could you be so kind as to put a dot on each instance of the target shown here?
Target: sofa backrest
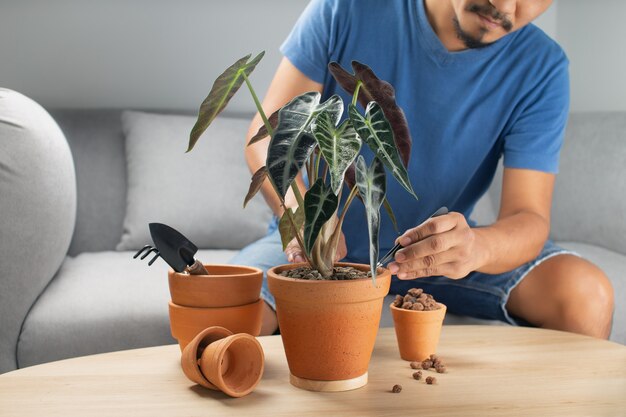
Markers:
(97, 143)
(589, 204)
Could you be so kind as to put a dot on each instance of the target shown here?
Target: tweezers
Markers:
(392, 253)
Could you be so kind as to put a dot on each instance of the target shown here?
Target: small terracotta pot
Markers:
(219, 360)
(187, 322)
(193, 352)
(417, 332)
(225, 286)
(328, 327)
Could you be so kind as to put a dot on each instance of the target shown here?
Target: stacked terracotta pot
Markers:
(227, 297)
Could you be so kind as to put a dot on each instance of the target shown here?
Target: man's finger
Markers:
(439, 270)
(430, 227)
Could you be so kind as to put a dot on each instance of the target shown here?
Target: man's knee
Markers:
(566, 293)
(586, 301)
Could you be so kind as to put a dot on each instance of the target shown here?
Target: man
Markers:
(476, 82)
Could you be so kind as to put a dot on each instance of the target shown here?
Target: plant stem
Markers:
(355, 96)
(310, 172)
(257, 103)
(351, 196)
(294, 187)
(317, 166)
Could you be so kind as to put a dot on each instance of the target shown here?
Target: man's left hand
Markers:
(444, 245)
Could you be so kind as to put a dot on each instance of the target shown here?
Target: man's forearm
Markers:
(511, 241)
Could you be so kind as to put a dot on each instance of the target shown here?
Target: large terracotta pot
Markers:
(225, 286)
(328, 327)
(187, 322)
(417, 332)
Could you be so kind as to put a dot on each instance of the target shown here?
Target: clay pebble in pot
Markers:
(220, 360)
(417, 330)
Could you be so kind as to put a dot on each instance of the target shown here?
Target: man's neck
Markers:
(440, 16)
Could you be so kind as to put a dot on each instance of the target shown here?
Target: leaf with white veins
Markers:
(340, 145)
(320, 204)
(375, 130)
(293, 139)
(372, 187)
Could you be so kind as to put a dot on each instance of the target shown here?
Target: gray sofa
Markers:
(65, 291)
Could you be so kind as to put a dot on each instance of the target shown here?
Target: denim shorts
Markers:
(478, 295)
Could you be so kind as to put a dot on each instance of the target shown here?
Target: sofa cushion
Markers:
(589, 204)
(101, 302)
(97, 143)
(37, 210)
(199, 193)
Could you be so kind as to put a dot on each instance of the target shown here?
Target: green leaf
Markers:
(293, 139)
(375, 130)
(284, 225)
(224, 88)
(255, 184)
(320, 204)
(262, 132)
(392, 216)
(375, 89)
(372, 187)
(339, 146)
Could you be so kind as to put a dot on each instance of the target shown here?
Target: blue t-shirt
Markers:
(465, 109)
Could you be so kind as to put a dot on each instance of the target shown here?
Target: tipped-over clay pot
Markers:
(328, 327)
(220, 360)
(187, 322)
(225, 286)
(417, 332)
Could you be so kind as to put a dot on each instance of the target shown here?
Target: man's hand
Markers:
(295, 255)
(444, 245)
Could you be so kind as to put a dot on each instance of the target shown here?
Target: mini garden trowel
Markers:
(174, 248)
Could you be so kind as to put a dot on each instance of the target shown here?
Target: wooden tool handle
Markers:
(196, 269)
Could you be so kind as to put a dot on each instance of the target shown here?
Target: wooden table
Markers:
(492, 370)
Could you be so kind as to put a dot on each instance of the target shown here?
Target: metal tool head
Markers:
(174, 248)
(392, 253)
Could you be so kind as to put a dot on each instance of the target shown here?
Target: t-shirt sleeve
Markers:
(308, 47)
(534, 140)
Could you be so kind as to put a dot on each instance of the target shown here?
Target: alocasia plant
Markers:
(307, 134)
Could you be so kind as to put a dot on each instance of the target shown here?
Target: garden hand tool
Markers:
(390, 255)
(174, 248)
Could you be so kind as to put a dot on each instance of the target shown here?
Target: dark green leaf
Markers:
(255, 184)
(375, 89)
(293, 140)
(284, 225)
(262, 133)
(375, 130)
(339, 146)
(372, 187)
(320, 204)
(224, 88)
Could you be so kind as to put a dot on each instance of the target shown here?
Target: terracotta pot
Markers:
(219, 360)
(193, 352)
(187, 322)
(417, 332)
(328, 327)
(225, 286)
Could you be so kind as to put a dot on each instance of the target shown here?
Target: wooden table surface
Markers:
(492, 370)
